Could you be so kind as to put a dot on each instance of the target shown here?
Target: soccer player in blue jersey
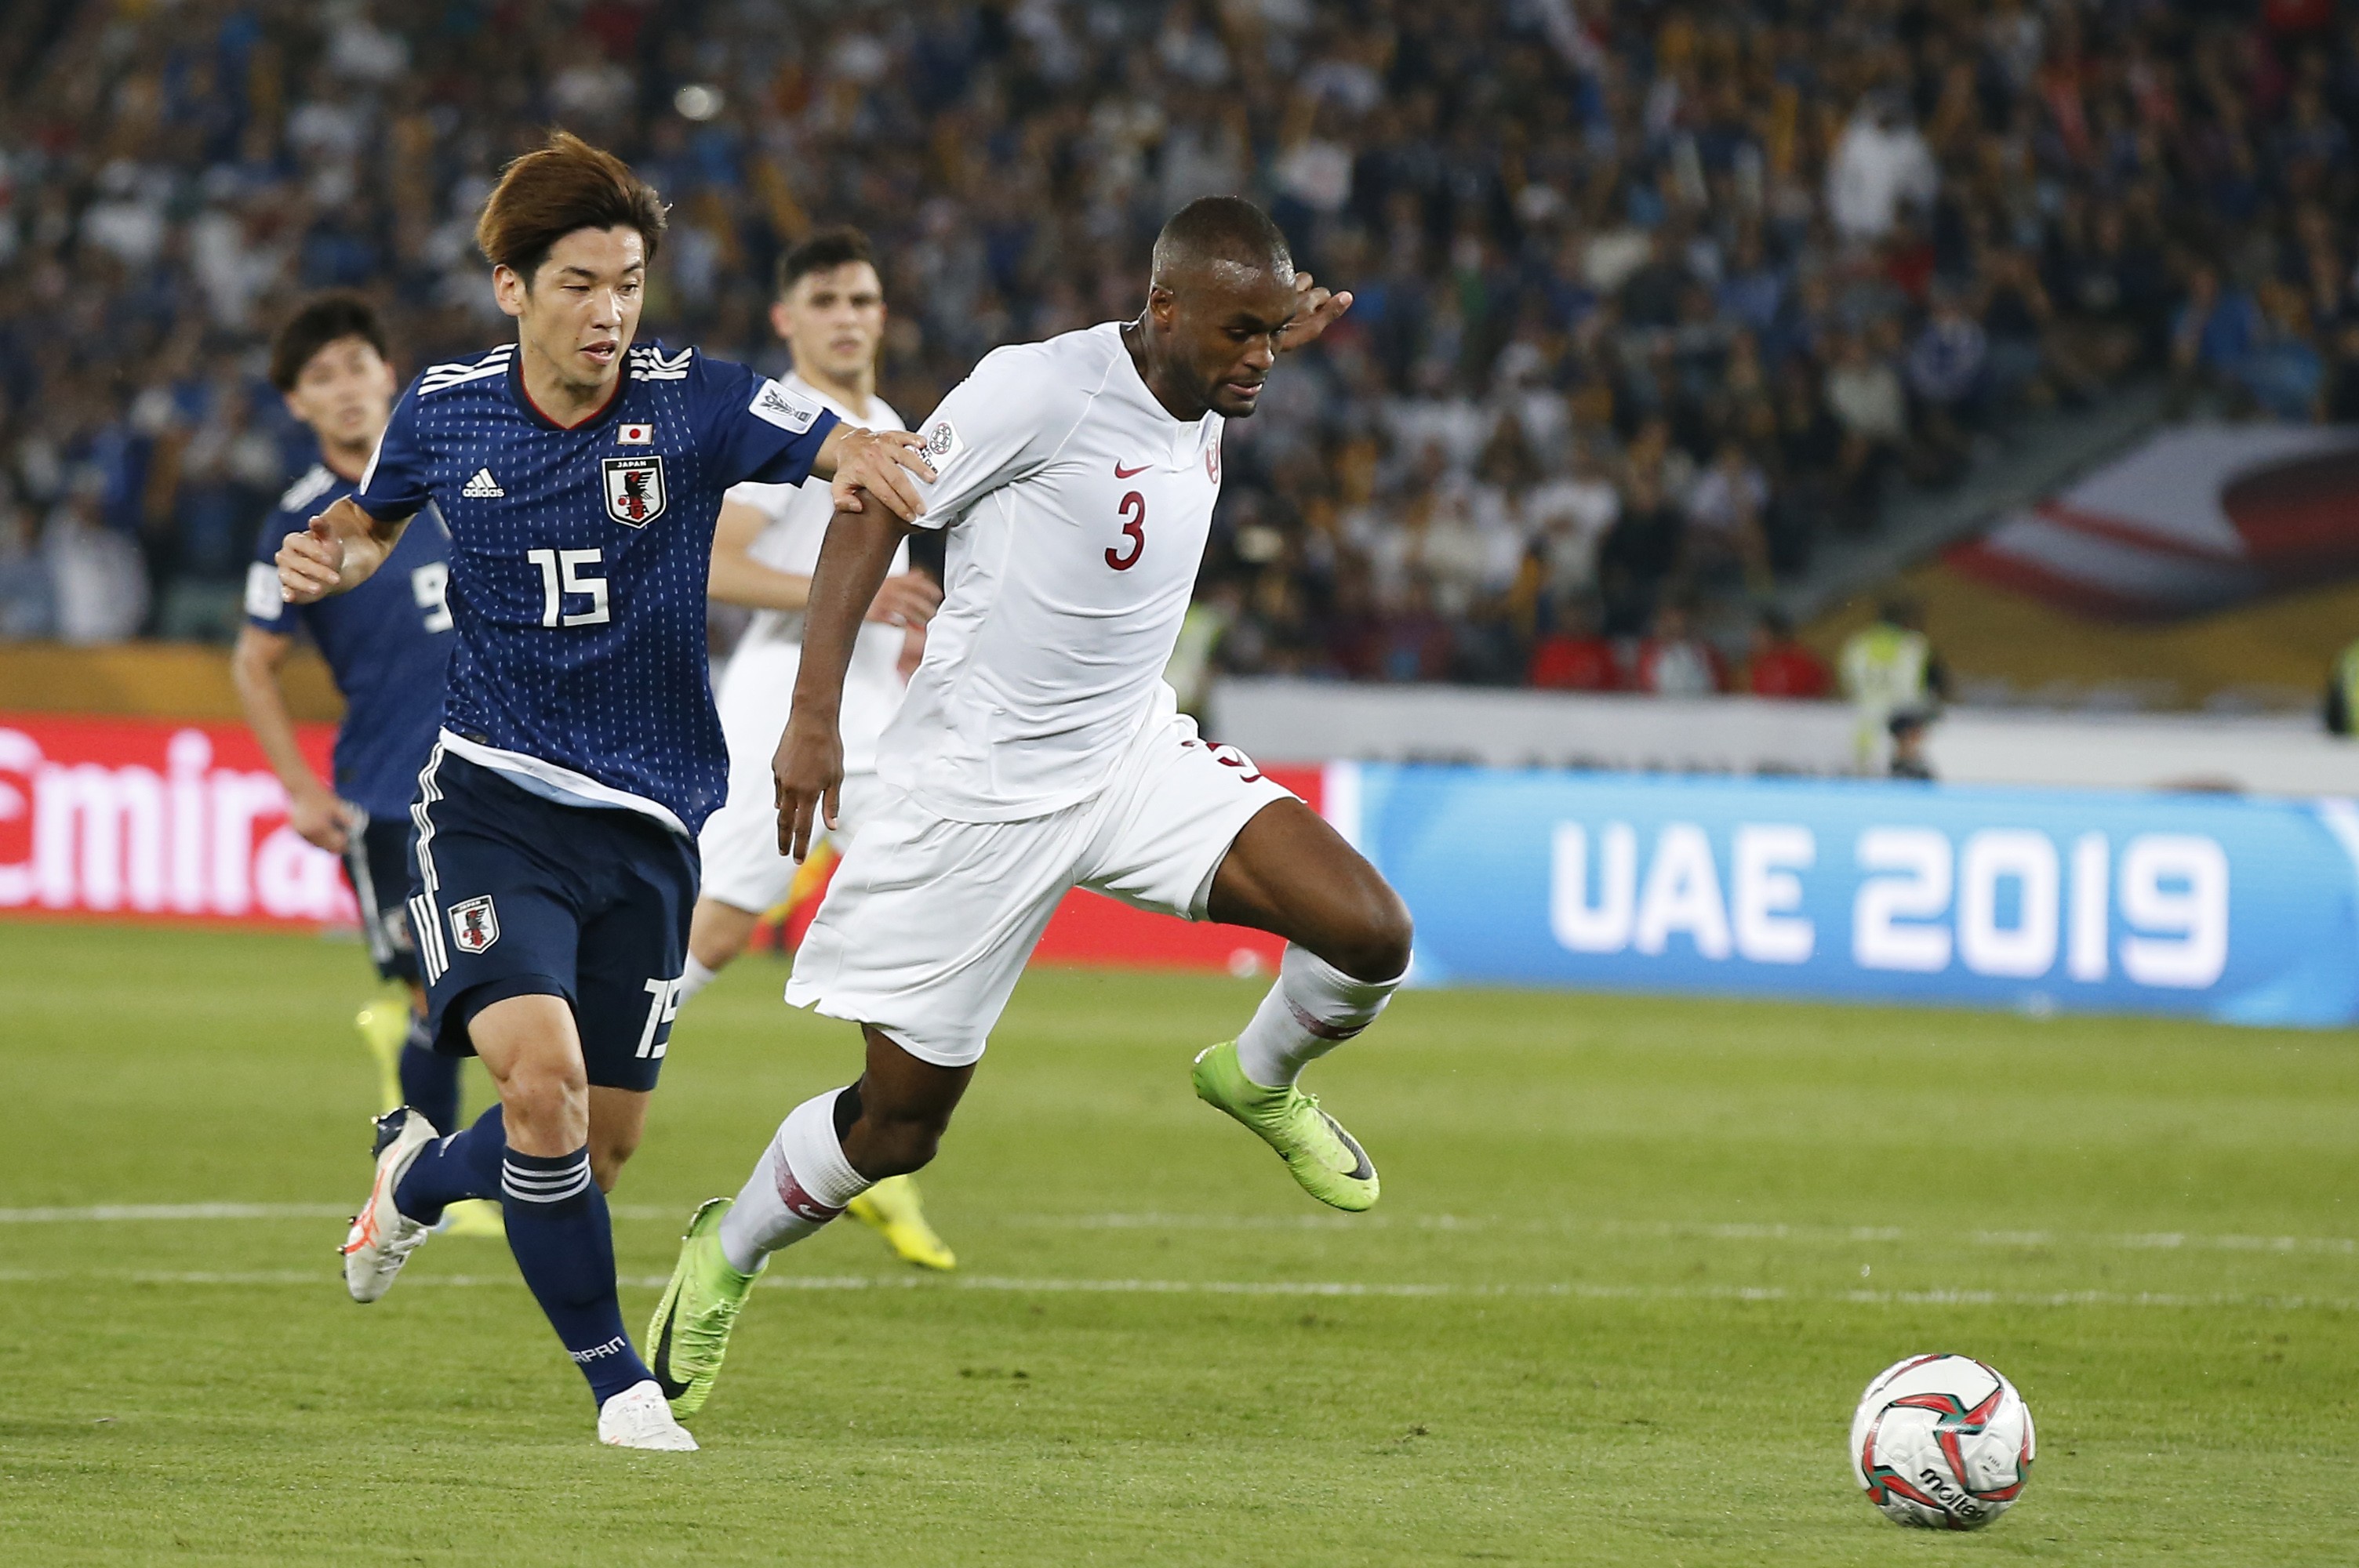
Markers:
(386, 645)
(578, 750)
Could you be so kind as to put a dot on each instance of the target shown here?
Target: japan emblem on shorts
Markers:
(474, 924)
(635, 490)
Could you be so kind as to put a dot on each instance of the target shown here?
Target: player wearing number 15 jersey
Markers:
(1039, 750)
(578, 752)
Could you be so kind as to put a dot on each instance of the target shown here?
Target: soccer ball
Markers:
(1941, 1442)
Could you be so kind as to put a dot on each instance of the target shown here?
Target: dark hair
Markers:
(552, 191)
(317, 322)
(1220, 228)
(823, 252)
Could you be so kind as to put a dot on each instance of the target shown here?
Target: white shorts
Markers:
(742, 868)
(739, 843)
(928, 922)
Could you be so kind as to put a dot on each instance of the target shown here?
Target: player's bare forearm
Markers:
(809, 767)
(340, 550)
(312, 807)
(736, 577)
(741, 581)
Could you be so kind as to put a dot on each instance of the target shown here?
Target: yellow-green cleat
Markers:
(1327, 1161)
(689, 1334)
(384, 1023)
(473, 1216)
(891, 1208)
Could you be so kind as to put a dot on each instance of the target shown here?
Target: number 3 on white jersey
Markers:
(560, 574)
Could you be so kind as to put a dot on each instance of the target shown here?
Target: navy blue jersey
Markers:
(386, 642)
(578, 564)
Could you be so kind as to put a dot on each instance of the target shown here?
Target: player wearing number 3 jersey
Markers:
(578, 750)
(1038, 749)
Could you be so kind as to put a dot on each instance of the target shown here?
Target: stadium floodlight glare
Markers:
(698, 101)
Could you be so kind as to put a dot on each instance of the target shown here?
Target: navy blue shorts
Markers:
(377, 864)
(518, 895)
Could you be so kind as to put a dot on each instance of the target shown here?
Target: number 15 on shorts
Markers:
(663, 1006)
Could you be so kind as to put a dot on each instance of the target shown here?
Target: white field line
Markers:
(1374, 1289)
(1800, 1235)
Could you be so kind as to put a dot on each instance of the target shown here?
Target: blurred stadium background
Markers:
(1702, 355)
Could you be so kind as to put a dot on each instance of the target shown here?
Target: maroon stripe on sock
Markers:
(800, 1203)
(1319, 1026)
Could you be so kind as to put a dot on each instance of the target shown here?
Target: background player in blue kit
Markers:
(579, 750)
(386, 645)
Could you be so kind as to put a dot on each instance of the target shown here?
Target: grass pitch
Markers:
(1635, 1261)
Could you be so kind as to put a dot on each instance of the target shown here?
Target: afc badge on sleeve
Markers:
(635, 490)
(942, 443)
(783, 407)
(475, 924)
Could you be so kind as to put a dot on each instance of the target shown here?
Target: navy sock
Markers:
(564, 1245)
(463, 1165)
(430, 1080)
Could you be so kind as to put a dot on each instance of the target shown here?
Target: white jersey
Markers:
(1077, 511)
(799, 515)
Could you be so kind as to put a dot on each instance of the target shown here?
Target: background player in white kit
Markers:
(1039, 750)
(830, 311)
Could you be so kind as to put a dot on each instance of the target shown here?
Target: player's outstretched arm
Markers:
(809, 767)
(342, 549)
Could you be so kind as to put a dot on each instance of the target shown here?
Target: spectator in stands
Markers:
(1639, 555)
(1865, 395)
(24, 593)
(1946, 365)
(2214, 334)
(1880, 164)
(1725, 536)
(1781, 665)
(1674, 662)
(1574, 656)
(97, 581)
(1570, 517)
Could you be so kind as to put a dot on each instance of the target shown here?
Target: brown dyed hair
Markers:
(323, 319)
(552, 190)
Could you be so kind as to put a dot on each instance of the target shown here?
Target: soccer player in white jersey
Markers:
(830, 311)
(1039, 750)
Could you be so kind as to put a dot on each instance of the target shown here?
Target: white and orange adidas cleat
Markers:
(382, 1237)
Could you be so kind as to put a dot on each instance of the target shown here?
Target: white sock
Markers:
(802, 1181)
(1314, 1007)
(694, 979)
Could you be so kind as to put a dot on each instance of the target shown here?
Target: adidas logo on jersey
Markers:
(483, 487)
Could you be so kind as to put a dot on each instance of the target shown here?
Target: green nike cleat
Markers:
(689, 1332)
(1327, 1161)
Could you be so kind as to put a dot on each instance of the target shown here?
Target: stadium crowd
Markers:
(1650, 298)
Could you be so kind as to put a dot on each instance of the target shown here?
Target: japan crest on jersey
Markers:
(635, 490)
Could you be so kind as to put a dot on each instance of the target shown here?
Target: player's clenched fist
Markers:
(886, 464)
(310, 564)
